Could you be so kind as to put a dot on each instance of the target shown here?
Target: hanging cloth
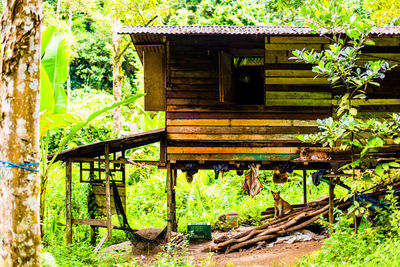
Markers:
(251, 183)
(220, 167)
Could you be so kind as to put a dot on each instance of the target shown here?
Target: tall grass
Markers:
(203, 200)
(374, 246)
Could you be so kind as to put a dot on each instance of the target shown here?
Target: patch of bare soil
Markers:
(278, 255)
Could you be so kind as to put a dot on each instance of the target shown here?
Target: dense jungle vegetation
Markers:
(87, 26)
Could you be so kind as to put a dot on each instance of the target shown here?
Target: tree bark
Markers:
(116, 74)
(21, 24)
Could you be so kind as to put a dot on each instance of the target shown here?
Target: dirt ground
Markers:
(278, 255)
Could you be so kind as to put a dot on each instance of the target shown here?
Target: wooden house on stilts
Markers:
(231, 95)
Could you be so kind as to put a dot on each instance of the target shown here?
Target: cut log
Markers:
(300, 217)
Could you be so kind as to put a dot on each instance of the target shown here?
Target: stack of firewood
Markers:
(301, 216)
(296, 220)
(178, 239)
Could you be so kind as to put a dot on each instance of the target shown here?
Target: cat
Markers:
(307, 155)
(281, 207)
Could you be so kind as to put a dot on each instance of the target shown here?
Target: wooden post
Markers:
(91, 174)
(163, 150)
(99, 166)
(108, 198)
(93, 235)
(123, 167)
(304, 186)
(174, 225)
(68, 189)
(331, 200)
(170, 201)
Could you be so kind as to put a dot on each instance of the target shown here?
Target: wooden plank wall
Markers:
(99, 191)
(199, 127)
(385, 99)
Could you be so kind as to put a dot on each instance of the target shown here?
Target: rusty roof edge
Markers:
(239, 30)
(157, 133)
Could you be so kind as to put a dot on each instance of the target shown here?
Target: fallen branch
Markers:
(270, 236)
(300, 217)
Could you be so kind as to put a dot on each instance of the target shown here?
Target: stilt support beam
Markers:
(174, 225)
(108, 194)
(171, 203)
(304, 186)
(331, 200)
(68, 189)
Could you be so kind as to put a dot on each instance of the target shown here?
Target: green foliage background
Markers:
(206, 198)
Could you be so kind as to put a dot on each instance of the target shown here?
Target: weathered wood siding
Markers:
(99, 191)
(200, 127)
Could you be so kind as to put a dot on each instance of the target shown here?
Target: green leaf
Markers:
(353, 111)
(369, 42)
(375, 83)
(301, 138)
(55, 62)
(367, 177)
(60, 98)
(385, 166)
(335, 79)
(396, 140)
(394, 164)
(50, 121)
(46, 92)
(379, 169)
(74, 129)
(46, 37)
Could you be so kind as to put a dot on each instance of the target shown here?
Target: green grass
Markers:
(82, 254)
(374, 246)
(349, 249)
(203, 200)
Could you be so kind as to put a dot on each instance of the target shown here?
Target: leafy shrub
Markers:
(374, 246)
(83, 254)
(173, 256)
(92, 64)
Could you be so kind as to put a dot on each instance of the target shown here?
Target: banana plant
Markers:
(53, 104)
(150, 120)
(53, 101)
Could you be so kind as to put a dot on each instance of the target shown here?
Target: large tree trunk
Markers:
(19, 132)
(117, 74)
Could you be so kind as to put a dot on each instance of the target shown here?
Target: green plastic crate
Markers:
(199, 231)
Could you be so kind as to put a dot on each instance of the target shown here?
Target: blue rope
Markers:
(360, 197)
(22, 166)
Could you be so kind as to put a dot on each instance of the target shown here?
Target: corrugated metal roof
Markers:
(237, 30)
(117, 144)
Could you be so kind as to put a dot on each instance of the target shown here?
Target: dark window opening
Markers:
(248, 81)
